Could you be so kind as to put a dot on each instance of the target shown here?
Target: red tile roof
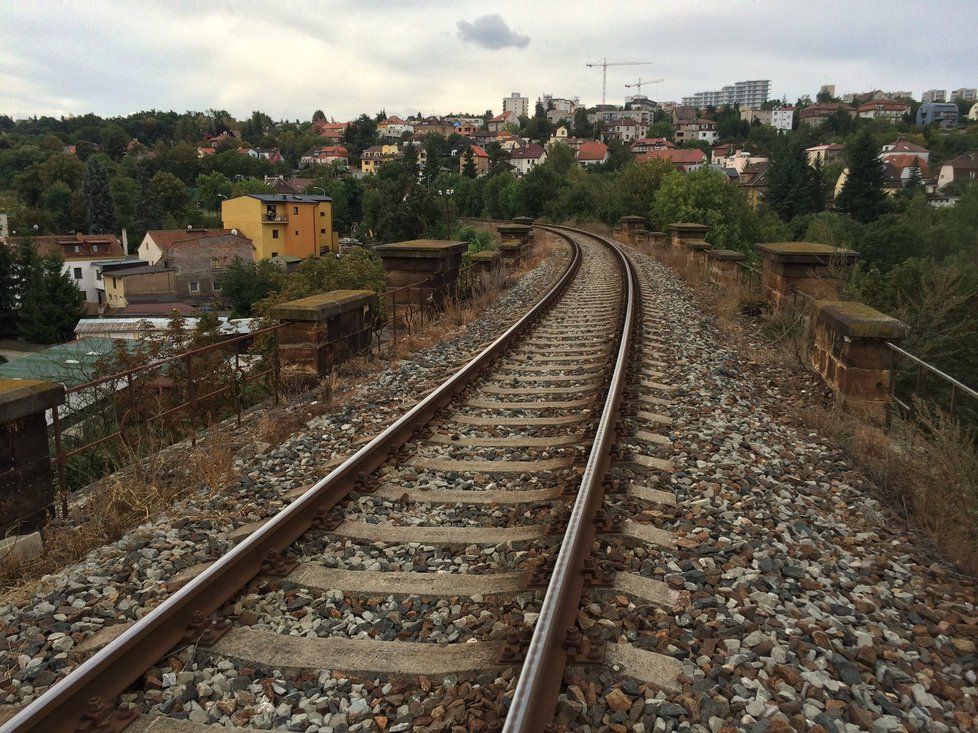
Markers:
(592, 150)
(905, 146)
(907, 161)
(676, 156)
(166, 237)
(531, 151)
(108, 246)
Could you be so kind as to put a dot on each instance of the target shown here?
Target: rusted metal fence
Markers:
(914, 375)
(112, 420)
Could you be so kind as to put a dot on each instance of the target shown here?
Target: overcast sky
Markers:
(289, 58)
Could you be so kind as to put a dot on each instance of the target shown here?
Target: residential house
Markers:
(510, 142)
(682, 113)
(298, 225)
(698, 129)
(82, 254)
(625, 130)
(559, 136)
(862, 97)
(434, 125)
(965, 94)
(373, 157)
(905, 147)
(645, 144)
(962, 168)
(196, 256)
(593, 152)
(753, 180)
(325, 155)
(815, 115)
(394, 127)
(465, 128)
(281, 184)
(332, 131)
(559, 108)
(483, 137)
(882, 109)
(824, 153)
(727, 157)
(272, 155)
(527, 158)
(899, 169)
(140, 283)
(781, 119)
(500, 121)
(479, 156)
(944, 115)
(684, 159)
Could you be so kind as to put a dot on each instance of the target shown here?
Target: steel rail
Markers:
(538, 686)
(111, 670)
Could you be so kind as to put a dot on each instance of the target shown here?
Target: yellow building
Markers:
(372, 158)
(283, 224)
(138, 284)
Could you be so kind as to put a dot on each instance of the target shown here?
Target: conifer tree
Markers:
(862, 195)
(8, 292)
(468, 164)
(50, 303)
(98, 197)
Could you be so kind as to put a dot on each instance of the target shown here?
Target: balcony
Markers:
(274, 219)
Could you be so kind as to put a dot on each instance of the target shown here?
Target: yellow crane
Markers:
(639, 83)
(604, 64)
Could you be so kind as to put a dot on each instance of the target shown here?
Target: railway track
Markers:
(454, 573)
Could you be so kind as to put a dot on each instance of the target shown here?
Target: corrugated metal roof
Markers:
(69, 364)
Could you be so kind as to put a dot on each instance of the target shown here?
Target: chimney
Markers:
(125, 242)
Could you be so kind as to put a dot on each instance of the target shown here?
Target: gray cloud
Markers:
(491, 31)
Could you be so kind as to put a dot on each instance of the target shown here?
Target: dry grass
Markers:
(926, 470)
(276, 424)
(116, 504)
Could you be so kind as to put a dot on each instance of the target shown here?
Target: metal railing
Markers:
(920, 368)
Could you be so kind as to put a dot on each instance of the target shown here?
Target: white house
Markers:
(393, 127)
(83, 254)
(527, 158)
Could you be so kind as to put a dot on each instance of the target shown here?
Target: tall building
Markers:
(515, 103)
(968, 94)
(934, 95)
(828, 89)
(752, 93)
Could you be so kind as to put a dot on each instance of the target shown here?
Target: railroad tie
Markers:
(470, 466)
(478, 420)
(318, 577)
(649, 534)
(647, 493)
(162, 724)
(466, 496)
(646, 436)
(431, 535)
(541, 405)
(299, 653)
(653, 668)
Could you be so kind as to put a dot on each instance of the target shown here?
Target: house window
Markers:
(274, 233)
(94, 248)
(215, 263)
(322, 231)
(77, 249)
(216, 286)
(297, 232)
(194, 286)
(78, 274)
(295, 209)
(322, 213)
(274, 254)
(98, 275)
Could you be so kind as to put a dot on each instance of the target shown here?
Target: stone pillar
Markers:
(26, 483)
(628, 226)
(641, 240)
(519, 233)
(811, 268)
(436, 262)
(486, 269)
(725, 265)
(683, 231)
(850, 351)
(531, 237)
(320, 332)
(696, 255)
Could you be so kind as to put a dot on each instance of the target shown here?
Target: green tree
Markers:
(249, 185)
(98, 197)
(862, 194)
(171, 194)
(243, 284)
(51, 303)
(149, 211)
(636, 184)
(705, 196)
(468, 164)
(794, 187)
(210, 188)
(561, 158)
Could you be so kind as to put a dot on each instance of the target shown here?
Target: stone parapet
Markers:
(682, 231)
(850, 352)
(724, 265)
(696, 254)
(321, 331)
(520, 233)
(487, 269)
(433, 262)
(26, 485)
(628, 226)
(512, 254)
(808, 267)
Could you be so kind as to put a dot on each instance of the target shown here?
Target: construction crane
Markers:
(604, 64)
(639, 83)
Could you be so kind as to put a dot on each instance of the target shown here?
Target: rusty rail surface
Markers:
(106, 674)
(538, 686)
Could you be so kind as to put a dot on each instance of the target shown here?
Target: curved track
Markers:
(444, 561)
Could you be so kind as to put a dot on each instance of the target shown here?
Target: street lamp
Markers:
(445, 193)
(319, 188)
